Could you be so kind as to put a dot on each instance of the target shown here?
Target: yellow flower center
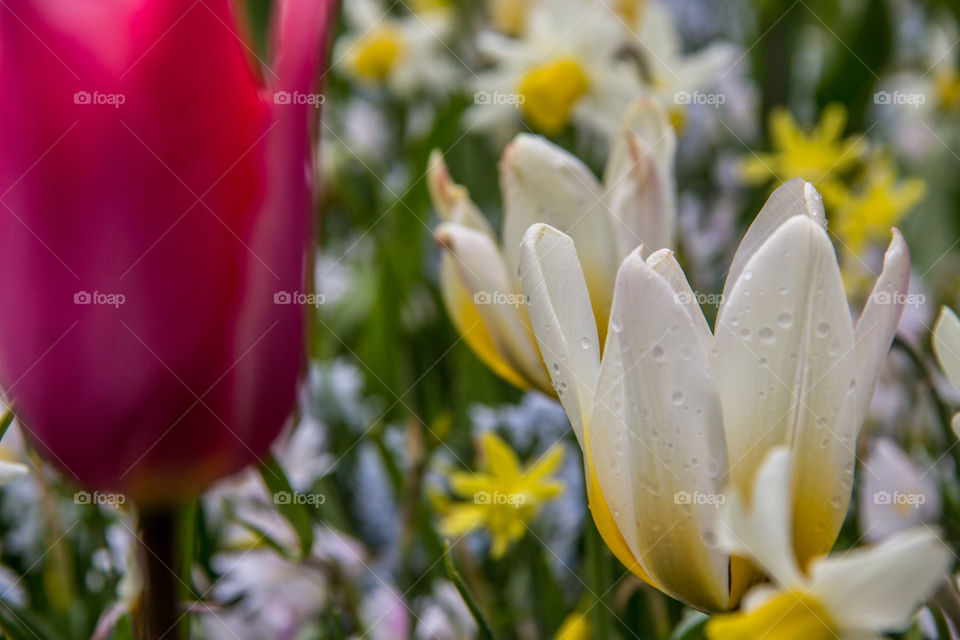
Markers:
(947, 84)
(509, 16)
(550, 91)
(787, 616)
(376, 53)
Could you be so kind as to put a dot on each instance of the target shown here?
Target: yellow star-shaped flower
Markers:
(501, 497)
(814, 157)
(859, 217)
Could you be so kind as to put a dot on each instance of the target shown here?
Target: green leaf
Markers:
(296, 513)
(483, 627)
(6, 419)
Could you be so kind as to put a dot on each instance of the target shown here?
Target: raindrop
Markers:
(745, 333)
(785, 319)
(615, 325)
(677, 397)
(784, 291)
(585, 342)
(823, 329)
(766, 334)
(748, 275)
(657, 352)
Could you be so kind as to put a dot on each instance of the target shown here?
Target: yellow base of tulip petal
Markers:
(790, 615)
(550, 91)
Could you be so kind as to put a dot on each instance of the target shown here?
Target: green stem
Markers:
(598, 581)
(158, 616)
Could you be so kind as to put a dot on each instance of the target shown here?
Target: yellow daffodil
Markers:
(946, 345)
(565, 66)
(503, 498)
(575, 626)
(403, 53)
(853, 594)
(864, 216)
(543, 183)
(671, 73)
(673, 411)
(816, 157)
(509, 16)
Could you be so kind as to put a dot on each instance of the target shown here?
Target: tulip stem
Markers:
(158, 617)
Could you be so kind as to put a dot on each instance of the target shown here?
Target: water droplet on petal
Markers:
(785, 319)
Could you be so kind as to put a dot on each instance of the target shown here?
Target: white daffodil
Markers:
(673, 411)
(543, 183)
(850, 595)
(678, 79)
(404, 53)
(564, 67)
(946, 345)
(894, 495)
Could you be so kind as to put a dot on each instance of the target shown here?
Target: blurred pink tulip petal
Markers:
(155, 195)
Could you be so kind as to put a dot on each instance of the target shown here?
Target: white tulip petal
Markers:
(479, 268)
(639, 179)
(763, 532)
(784, 361)
(955, 425)
(562, 318)
(878, 322)
(647, 123)
(665, 263)
(946, 344)
(667, 458)
(452, 200)
(879, 588)
(795, 197)
(543, 183)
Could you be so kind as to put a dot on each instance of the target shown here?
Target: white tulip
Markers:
(543, 183)
(673, 411)
(851, 594)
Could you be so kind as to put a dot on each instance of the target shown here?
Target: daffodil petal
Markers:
(480, 270)
(542, 183)
(563, 321)
(878, 322)
(785, 366)
(763, 531)
(499, 458)
(879, 588)
(12, 471)
(946, 344)
(667, 457)
(794, 198)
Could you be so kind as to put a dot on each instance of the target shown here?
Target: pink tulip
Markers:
(155, 198)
